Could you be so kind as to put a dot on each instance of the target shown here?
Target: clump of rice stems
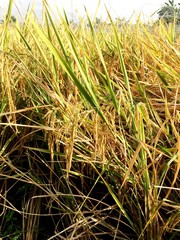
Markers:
(89, 130)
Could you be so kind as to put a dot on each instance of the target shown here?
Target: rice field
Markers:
(89, 130)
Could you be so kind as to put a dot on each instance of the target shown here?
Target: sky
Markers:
(127, 9)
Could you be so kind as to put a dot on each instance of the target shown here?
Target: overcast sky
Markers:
(117, 8)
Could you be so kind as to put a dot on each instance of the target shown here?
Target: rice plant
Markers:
(89, 129)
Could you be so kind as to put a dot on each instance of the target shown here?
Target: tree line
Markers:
(169, 12)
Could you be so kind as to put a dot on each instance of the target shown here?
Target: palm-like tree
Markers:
(169, 11)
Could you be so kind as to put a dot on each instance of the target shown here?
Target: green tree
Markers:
(12, 18)
(169, 11)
